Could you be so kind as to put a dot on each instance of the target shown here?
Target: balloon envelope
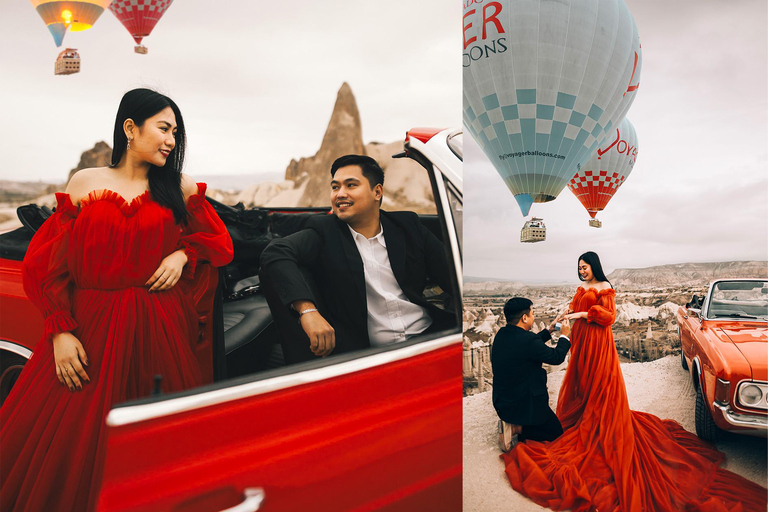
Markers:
(139, 16)
(74, 15)
(545, 81)
(57, 30)
(599, 179)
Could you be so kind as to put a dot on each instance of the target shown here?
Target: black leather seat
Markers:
(249, 336)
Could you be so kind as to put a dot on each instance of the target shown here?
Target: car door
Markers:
(690, 323)
(375, 430)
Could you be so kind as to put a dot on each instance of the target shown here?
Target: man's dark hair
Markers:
(370, 167)
(515, 308)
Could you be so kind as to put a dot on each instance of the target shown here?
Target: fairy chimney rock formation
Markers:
(343, 136)
(98, 156)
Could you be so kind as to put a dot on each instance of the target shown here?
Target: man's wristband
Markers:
(305, 311)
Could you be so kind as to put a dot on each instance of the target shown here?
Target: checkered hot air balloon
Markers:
(139, 17)
(599, 179)
(545, 83)
(60, 16)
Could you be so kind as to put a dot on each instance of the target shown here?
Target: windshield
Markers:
(739, 299)
(456, 143)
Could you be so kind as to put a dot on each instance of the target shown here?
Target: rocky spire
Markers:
(98, 156)
(343, 136)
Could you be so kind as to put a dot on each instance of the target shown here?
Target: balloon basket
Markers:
(533, 231)
(595, 223)
(143, 50)
(67, 63)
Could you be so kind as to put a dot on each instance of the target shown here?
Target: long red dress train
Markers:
(85, 269)
(611, 458)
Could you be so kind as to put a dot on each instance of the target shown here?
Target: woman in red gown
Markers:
(113, 271)
(610, 458)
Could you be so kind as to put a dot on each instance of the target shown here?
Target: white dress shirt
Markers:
(391, 316)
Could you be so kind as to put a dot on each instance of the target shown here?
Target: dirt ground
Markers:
(659, 387)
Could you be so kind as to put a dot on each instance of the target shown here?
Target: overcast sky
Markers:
(699, 189)
(256, 81)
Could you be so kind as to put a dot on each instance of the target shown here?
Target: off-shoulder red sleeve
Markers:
(204, 238)
(604, 312)
(45, 273)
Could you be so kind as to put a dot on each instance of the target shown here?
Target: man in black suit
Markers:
(356, 278)
(520, 394)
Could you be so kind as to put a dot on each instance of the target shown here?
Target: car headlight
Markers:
(750, 395)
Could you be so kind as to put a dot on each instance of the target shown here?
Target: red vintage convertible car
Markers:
(379, 429)
(724, 338)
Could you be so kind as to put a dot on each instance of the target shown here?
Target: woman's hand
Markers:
(168, 273)
(576, 316)
(70, 357)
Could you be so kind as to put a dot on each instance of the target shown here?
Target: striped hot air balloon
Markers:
(599, 179)
(60, 16)
(139, 17)
(545, 82)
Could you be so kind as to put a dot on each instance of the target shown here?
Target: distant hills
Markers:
(661, 276)
(681, 274)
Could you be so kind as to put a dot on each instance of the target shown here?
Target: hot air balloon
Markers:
(60, 16)
(545, 82)
(139, 17)
(605, 171)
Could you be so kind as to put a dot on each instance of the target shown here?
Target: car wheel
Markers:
(705, 425)
(683, 362)
(10, 367)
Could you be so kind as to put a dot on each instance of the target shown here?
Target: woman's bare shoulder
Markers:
(85, 180)
(188, 186)
(603, 285)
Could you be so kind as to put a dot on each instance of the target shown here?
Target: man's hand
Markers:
(565, 327)
(322, 337)
(558, 318)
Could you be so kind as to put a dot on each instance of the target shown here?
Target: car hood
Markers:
(752, 342)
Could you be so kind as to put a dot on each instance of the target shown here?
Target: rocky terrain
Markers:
(406, 184)
(645, 327)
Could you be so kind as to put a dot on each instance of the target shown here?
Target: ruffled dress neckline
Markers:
(129, 208)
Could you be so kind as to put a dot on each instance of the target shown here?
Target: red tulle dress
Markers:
(610, 458)
(85, 270)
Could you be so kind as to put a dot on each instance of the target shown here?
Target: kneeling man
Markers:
(520, 394)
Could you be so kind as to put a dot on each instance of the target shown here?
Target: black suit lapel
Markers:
(354, 260)
(395, 239)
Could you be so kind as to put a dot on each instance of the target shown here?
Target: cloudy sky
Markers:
(699, 189)
(256, 81)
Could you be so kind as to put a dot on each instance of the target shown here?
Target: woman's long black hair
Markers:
(164, 182)
(593, 260)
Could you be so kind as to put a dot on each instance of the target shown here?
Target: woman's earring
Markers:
(129, 144)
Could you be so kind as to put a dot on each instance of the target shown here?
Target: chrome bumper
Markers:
(754, 421)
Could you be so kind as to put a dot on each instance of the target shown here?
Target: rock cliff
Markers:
(98, 156)
(343, 136)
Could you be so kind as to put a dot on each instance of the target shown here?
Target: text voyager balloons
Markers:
(602, 175)
(545, 81)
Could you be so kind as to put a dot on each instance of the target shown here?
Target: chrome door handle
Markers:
(253, 498)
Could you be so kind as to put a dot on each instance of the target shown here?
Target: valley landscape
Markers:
(646, 302)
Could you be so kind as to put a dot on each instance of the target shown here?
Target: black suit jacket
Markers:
(519, 382)
(327, 249)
